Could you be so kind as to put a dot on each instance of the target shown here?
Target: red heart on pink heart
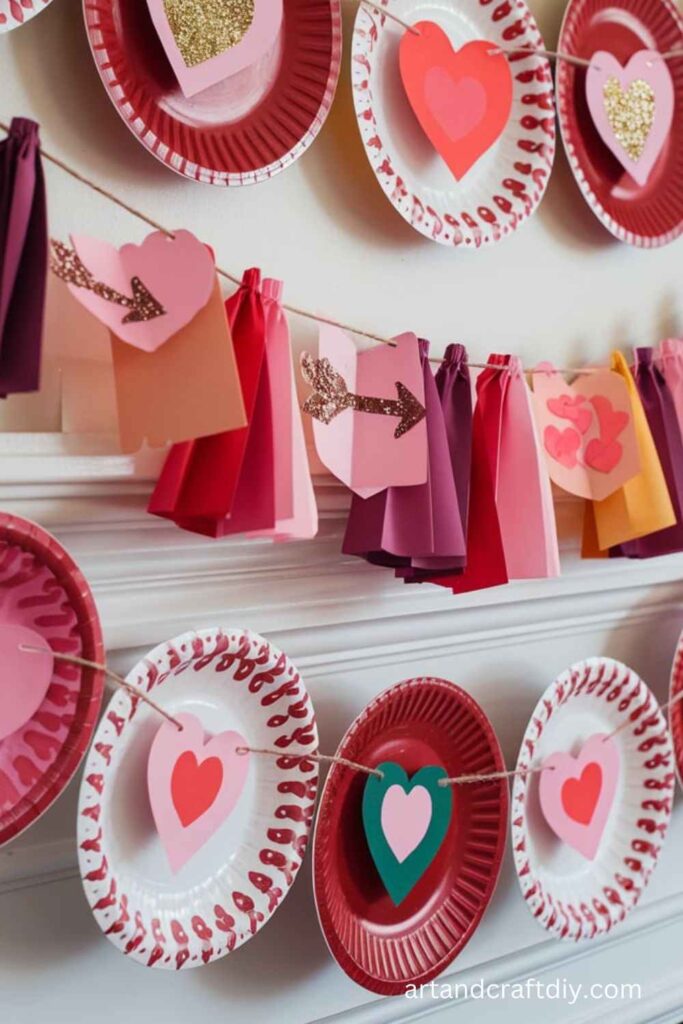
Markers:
(562, 445)
(462, 98)
(603, 456)
(580, 796)
(195, 785)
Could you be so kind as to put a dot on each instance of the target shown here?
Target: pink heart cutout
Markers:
(647, 66)
(26, 676)
(259, 38)
(459, 106)
(576, 798)
(405, 819)
(178, 272)
(180, 762)
(562, 445)
(573, 408)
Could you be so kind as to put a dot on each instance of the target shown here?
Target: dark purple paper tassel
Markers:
(661, 416)
(23, 258)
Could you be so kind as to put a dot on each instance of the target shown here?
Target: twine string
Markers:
(295, 310)
(133, 691)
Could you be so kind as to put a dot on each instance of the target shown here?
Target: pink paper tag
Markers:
(194, 785)
(197, 71)
(577, 793)
(586, 430)
(360, 448)
(632, 107)
(25, 676)
(177, 274)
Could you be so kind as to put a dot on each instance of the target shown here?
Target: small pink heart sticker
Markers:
(577, 793)
(26, 676)
(405, 819)
(194, 785)
(632, 107)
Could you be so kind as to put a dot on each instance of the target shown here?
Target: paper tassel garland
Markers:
(23, 258)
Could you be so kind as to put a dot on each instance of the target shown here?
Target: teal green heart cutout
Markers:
(400, 876)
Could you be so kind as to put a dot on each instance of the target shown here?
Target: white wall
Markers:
(561, 289)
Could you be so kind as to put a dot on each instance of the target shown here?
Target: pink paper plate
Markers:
(381, 946)
(644, 215)
(231, 887)
(15, 13)
(243, 130)
(569, 895)
(507, 183)
(43, 590)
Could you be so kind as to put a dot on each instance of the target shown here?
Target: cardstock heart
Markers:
(577, 793)
(405, 822)
(179, 273)
(194, 784)
(25, 676)
(206, 44)
(462, 98)
(632, 107)
(587, 430)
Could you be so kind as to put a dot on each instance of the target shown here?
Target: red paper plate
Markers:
(380, 946)
(43, 590)
(243, 130)
(648, 215)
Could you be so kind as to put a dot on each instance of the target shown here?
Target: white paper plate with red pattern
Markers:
(613, 799)
(676, 710)
(232, 681)
(506, 184)
(15, 13)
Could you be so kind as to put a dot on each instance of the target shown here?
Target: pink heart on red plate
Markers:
(178, 273)
(577, 793)
(26, 676)
(194, 784)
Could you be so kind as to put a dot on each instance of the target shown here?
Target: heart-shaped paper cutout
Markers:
(632, 107)
(178, 273)
(194, 785)
(25, 676)
(207, 43)
(598, 452)
(462, 98)
(577, 793)
(405, 822)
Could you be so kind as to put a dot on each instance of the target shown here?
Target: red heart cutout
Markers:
(462, 98)
(567, 408)
(194, 786)
(603, 456)
(562, 445)
(580, 796)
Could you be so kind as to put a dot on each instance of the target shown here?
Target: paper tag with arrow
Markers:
(332, 397)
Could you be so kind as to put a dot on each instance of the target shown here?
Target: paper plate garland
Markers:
(194, 875)
(465, 178)
(400, 895)
(587, 830)
(242, 129)
(48, 709)
(616, 115)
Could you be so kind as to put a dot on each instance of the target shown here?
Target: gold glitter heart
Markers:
(204, 29)
(630, 113)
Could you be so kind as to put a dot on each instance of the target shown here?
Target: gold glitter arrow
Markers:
(332, 396)
(67, 265)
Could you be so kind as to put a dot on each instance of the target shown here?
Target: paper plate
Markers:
(676, 712)
(652, 214)
(243, 130)
(44, 591)
(507, 183)
(15, 13)
(380, 946)
(232, 680)
(569, 895)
